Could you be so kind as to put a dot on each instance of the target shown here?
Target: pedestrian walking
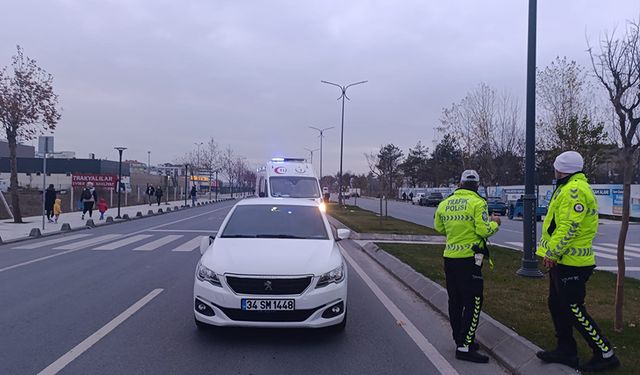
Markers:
(57, 210)
(411, 196)
(194, 195)
(150, 193)
(89, 198)
(159, 193)
(49, 201)
(568, 231)
(463, 217)
(404, 196)
(102, 208)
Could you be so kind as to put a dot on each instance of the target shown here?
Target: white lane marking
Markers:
(123, 242)
(37, 244)
(607, 256)
(82, 347)
(184, 230)
(626, 247)
(614, 268)
(36, 260)
(189, 245)
(432, 354)
(516, 244)
(87, 243)
(159, 242)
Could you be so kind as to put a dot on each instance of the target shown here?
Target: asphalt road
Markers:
(511, 233)
(118, 300)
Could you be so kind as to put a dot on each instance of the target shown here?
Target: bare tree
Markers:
(617, 67)
(486, 127)
(228, 166)
(28, 107)
(569, 117)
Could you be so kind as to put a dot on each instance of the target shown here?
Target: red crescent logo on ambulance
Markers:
(280, 170)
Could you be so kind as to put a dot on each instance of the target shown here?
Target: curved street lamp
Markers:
(343, 95)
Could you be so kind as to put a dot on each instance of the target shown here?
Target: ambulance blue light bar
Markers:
(282, 160)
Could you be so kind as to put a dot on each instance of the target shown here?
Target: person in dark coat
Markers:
(159, 194)
(49, 200)
(194, 195)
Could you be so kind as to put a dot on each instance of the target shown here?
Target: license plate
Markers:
(268, 304)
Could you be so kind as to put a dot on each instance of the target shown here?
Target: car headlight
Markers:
(205, 274)
(334, 276)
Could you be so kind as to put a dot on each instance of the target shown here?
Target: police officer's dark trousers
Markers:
(464, 287)
(567, 290)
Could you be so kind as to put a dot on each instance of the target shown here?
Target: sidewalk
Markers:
(10, 231)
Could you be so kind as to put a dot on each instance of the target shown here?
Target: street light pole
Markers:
(149, 162)
(321, 131)
(119, 185)
(343, 95)
(186, 183)
(529, 262)
(311, 152)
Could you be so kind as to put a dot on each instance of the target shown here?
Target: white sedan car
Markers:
(273, 263)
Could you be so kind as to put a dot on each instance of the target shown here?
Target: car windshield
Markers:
(276, 221)
(294, 187)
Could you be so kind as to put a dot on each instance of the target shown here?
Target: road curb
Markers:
(84, 227)
(513, 351)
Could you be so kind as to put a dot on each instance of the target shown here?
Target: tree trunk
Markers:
(13, 181)
(618, 322)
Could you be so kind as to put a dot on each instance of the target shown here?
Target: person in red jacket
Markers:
(102, 208)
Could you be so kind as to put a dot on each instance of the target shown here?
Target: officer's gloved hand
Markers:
(496, 218)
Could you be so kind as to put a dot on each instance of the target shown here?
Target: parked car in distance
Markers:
(431, 200)
(416, 198)
(495, 205)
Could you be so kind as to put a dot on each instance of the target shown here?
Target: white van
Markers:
(288, 178)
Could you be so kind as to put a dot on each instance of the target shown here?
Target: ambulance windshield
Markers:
(294, 187)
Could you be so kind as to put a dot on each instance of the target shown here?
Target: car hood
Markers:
(251, 256)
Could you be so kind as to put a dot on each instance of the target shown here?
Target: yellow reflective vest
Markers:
(571, 224)
(463, 217)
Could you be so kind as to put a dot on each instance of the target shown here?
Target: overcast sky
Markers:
(160, 75)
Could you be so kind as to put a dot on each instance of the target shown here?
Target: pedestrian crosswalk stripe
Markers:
(615, 252)
(159, 242)
(627, 248)
(51, 242)
(89, 242)
(189, 245)
(123, 242)
(615, 268)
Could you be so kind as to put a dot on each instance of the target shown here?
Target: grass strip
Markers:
(521, 303)
(364, 221)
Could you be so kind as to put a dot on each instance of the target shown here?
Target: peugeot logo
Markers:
(267, 286)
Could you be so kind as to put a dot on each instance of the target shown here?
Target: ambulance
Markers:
(288, 178)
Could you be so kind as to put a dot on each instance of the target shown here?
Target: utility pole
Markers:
(529, 262)
(311, 152)
(343, 95)
(149, 162)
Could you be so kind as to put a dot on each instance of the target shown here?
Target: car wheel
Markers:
(340, 327)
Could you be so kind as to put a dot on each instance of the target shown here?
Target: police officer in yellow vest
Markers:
(566, 247)
(464, 219)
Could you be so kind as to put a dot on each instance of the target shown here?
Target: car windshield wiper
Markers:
(238, 236)
(279, 236)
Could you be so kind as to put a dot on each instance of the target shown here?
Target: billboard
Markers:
(99, 180)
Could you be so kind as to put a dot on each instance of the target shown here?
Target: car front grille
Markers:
(268, 316)
(264, 286)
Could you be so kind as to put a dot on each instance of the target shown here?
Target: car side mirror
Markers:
(344, 234)
(205, 243)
